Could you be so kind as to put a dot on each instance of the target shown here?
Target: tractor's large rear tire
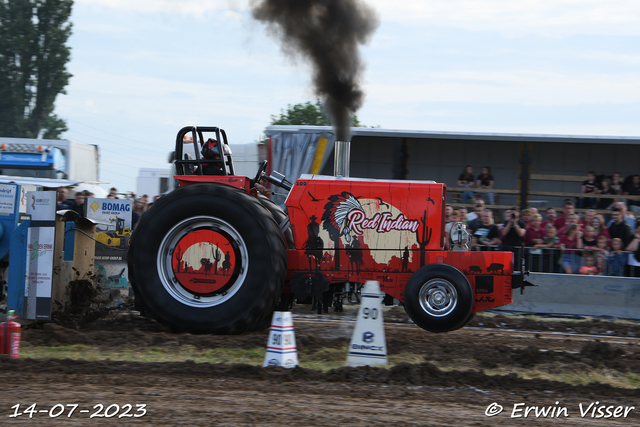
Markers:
(439, 298)
(280, 217)
(208, 258)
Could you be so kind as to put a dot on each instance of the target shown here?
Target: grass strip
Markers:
(322, 360)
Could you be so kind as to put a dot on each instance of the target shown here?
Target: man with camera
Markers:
(513, 232)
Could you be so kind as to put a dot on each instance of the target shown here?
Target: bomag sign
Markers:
(113, 229)
(111, 206)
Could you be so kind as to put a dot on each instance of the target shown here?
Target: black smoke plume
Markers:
(327, 33)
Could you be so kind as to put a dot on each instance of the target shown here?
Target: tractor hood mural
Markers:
(376, 223)
(357, 224)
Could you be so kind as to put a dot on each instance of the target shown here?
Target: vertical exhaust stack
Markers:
(327, 34)
(342, 158)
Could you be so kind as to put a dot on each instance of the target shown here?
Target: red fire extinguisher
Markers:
(10, 336)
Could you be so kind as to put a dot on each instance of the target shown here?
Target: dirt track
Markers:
(186, 393)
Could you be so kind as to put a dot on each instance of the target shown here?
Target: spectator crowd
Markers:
(596, 185)
(568, 243)
(140, 204)
(591, 243)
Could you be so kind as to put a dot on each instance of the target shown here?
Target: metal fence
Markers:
(549, 260)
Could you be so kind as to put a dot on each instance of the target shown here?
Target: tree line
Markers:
(33, 66)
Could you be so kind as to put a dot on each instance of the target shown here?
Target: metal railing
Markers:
(551, 260)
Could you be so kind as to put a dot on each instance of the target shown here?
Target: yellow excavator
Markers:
(118, 238)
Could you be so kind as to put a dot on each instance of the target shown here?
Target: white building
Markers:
(153, 182)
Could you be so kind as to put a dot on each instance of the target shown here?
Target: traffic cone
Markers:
(368, 343)
(281, 347)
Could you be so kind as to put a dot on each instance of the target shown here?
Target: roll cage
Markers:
(182, 160)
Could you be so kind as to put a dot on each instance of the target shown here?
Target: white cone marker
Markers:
(281, 347)
(368, 343)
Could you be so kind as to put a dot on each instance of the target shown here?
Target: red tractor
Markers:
(215, 256)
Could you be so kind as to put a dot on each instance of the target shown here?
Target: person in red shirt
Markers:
(550, 218)
(599, 228)
(571, 219)
(567, 209)
(535, 234)
(570, 241)
(600, 254)
(587, 218)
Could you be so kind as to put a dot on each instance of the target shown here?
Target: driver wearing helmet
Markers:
(210, 151)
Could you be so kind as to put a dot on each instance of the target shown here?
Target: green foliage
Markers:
(53, 127)
(303, 114)
(308, 114)
(33, 58)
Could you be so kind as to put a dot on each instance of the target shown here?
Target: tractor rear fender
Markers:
(244, 183)
(241, 182)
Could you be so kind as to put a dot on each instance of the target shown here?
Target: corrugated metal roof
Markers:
(483, 136)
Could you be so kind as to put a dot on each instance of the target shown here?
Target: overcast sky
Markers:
(143, 69)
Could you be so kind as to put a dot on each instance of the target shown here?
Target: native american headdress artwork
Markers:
(335, 218)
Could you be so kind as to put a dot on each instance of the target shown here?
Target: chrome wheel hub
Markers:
(438, 297)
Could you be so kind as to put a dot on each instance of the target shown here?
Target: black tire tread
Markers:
(189, 201)
(456, 320)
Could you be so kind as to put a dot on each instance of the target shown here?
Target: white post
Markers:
(368, 344)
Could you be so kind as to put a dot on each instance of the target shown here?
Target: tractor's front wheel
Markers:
(208, 258)
(439, 298)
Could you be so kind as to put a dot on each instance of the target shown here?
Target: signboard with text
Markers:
(7, 199)
(41, 206)
(113, 231)
(113, 228)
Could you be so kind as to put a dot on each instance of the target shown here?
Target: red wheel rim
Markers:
(204, 261)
